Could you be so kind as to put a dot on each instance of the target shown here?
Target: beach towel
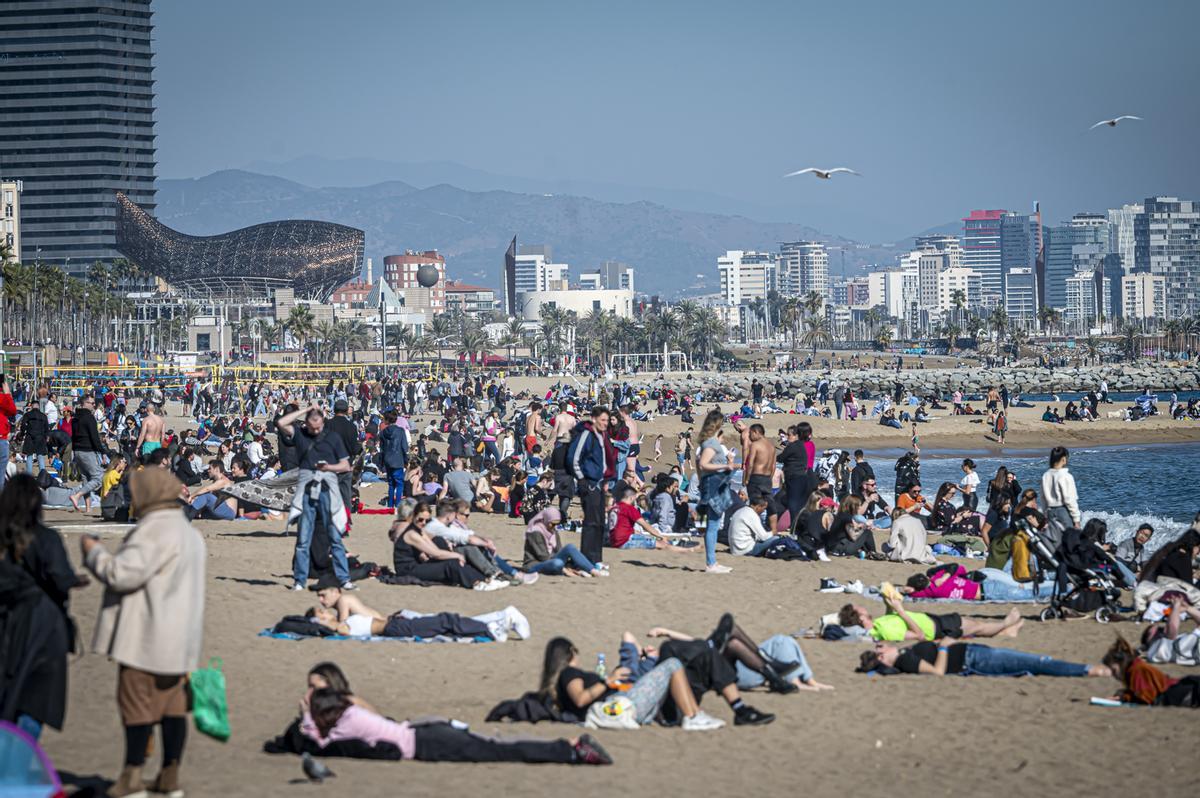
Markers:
(270, 632)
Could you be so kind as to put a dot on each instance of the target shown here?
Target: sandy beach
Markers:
(876, 736)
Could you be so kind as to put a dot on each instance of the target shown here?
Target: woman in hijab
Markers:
(545, 553)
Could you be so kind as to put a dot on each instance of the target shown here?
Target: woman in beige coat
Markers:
(151, 623)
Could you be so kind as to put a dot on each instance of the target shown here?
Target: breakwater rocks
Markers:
(944, 381)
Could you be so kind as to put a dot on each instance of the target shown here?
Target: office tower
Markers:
(77, 100)
(981, 251)
(803, 267)
(1021, 296)
(1167, 243)
(1120, 234)
(615, 274)
(1079, 246)
(746, 276)
(1018, 242)
(509, 278)
(534, 270)
(949, 246)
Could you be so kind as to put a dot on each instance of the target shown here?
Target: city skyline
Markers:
(934, 105)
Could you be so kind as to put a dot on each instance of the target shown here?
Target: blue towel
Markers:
(376, 638)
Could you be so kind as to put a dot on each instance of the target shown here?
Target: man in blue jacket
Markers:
(586, 462)
(393, 450)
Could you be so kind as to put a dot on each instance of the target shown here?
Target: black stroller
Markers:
(1086, 579)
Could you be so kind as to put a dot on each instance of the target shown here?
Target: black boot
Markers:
(775, 682)
(720, 635)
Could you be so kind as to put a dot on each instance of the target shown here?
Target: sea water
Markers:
(1126, 486)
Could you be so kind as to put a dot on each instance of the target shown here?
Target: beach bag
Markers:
(209, 708)
(1021, 571)
(618, 712)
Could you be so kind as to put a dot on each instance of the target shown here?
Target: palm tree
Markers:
(1091, 348)
(300, 324)
(1019, 337)
(958, 298)
(790, 315)
(326, 334)
(423, 347)
(441, 329)
(951, 332)
(813, 302)
(883, 338)
(1129, 341)
(816, 331)
(512, 337)
(472, 343)
(998, 321)
(353, 335)
(402, 337)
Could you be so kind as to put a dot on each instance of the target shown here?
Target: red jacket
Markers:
(8, 410)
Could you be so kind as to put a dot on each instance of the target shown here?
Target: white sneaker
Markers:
(529, 579)
(822, 556)
(498, 630)
(491, 584)
(702, 721)
(518, 624)
(603, 572)
(717, 568)
(348, 585)
(297, 586)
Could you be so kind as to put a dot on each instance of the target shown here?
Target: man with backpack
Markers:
(587, 463)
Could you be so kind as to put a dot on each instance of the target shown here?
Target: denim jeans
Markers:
(1000, 586)
(712, 525)
(217, 508)
(567, 556)
(640, 541)
(395, 486)
(622, 448)
(29, 460)
(88, 464)
(763, 545)
(3, 462)
(313, 511)
(782, 649)
(987, 661)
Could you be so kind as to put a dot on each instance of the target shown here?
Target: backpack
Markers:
(115, 505)
(521, 423)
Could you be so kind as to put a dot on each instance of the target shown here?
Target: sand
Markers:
(871, 736)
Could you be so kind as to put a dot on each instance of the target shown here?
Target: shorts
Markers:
(948, 625)
(144, 698)
(634, 450)
(564, 484)
(149, 447)
(530, 442)
(638, 541)
(758, 485)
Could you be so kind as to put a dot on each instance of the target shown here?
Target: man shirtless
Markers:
(564, 422)
(348, 615)
(635, 445)
(533, 426)
(151, 435)
(758, 459)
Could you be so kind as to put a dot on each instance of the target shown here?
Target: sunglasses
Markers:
(421, 519)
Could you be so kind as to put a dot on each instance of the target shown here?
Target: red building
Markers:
(400, 271)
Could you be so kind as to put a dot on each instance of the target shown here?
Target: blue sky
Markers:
(944, 106)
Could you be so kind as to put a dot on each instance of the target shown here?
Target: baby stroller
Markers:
(1086, 579)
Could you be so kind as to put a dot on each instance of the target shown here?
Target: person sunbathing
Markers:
(898, 624)
(329, 715)
(953, 581)
(348, 615)
(780, 653)
(946, 655)
(1167, 643)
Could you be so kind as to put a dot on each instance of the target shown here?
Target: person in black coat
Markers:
(36, 631)
(35, 429)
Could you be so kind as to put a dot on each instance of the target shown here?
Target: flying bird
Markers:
(824, 174)
(1113, 122)
(316, 771)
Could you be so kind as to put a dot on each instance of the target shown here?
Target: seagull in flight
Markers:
(1113, 122)
(824, 174)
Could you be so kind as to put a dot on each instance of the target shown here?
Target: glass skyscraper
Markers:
(77, 104)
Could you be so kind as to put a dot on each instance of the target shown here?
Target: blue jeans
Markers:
(622, 448)
(217, 508)
(568, 555)
(638, 666)
(505, 567)
(1000, 586)
(712, 525)
(783, 649)
(4, 462)
(395, 486)
(763, 545)
(985, 661)
(640, 541)
(311, 511)
(41, 461)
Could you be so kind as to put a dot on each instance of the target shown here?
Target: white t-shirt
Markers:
(969, 482)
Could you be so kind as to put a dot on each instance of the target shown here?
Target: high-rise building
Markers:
(981, 251)
(746, 275)
(1018, 241)
(803, 268)
(950, 282)
(77, 100)
(1120, 235)
(1088, 299)
(10, 217)
(1021, 296)
(400, 272)
(1167, 243)
(1143, 296)
(1077, 247)
(535, 270)
(616, 274)
(949, 246)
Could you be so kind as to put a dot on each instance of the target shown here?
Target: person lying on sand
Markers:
(899, 624)
(1145, 684)
(953, 581)
(330, 714)
(347, 615)
(945, 655)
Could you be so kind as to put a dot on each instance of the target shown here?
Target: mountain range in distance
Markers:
(673, 251)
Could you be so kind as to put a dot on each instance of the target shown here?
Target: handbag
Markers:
(616, 712)
(209, 707)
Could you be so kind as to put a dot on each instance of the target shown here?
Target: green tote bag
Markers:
(209, 707)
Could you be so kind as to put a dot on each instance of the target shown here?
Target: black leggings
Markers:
(797, 490)
(174, 735)
(441, 742)
(448, 572)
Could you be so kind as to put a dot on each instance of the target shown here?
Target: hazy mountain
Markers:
(673, 251)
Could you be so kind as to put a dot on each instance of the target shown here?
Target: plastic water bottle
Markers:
(601, 669)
